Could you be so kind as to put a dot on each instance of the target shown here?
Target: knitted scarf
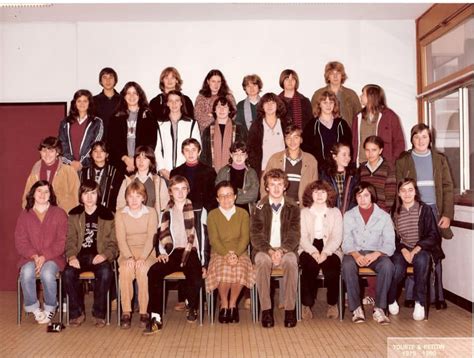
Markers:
(297, 112)
(51, 168)
(220, 145)
(165, 233)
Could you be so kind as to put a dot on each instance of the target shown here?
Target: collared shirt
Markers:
(228, 213)
(275, 233)
(144, 210)
(373, 169)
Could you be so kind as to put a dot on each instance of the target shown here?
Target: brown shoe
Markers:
(143, 320)
(307, 314)
(76, 322)
(333, 312)
(125, 321)
(100, 322)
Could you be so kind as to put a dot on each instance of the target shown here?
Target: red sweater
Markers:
(47, 238)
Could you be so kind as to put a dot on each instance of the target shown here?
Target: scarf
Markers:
(248, 111)
(297, 112)
(44, 169)
(220, 145)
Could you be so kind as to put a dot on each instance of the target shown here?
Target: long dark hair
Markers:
(73, 111)
(30, 197)
(149, 153)
(206, 90)
(376, 101)
(271, 97)
(331, 165)
(142, 101)
(399, 202)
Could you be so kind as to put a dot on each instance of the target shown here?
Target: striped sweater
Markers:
(384, 181)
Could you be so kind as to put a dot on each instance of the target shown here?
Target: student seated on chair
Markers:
(275, 236)
(320, 246)
(230, 268)
(40, 236)
(135, 226)
(417, 240)
(178, 251)
(91, 246)
(369, 240)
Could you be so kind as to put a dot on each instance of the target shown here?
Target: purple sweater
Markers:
(47, 238)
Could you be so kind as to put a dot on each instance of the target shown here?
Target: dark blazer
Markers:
(145, 134)
(261, 226)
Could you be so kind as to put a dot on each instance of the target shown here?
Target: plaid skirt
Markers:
(220, 271)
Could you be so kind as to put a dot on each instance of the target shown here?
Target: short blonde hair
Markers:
(139, 188)
(335, 66)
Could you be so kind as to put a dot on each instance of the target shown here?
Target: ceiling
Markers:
(209, 12)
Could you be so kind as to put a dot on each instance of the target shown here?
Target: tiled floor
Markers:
(319, 337)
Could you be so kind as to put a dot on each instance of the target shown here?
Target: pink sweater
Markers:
(47, 238)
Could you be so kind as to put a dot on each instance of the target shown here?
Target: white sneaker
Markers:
(39, 315)
(358, 315)
(393, 308)
(47, 318)
(419, 312)
(380, 317)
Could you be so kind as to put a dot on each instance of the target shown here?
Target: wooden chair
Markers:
(19, 297)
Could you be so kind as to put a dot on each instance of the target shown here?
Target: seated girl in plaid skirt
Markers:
(230, 267)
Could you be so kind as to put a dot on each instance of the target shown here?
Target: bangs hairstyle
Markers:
(148, 152)
(101, 144)
(30, 197)
(286, 74)
(223, 101)
(332, 97)
(331, 162)
(86, 187)
(271, 97)
(165, 73)
(319, 185)
(137, 187)
(142, 101)
(252, 79)
(181, 97)
(293, 128)
(376, 101)
(374, 139)
(236, 146)
(225, 184)
(190, 141)
(51, 143)
(404, 182)
(108, 71)
(370, 188)
(417, 129)
(275, 174)
(335, 66)
(206, 90)
(74, 112)
(177, 179)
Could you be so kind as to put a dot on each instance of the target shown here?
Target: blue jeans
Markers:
(28, 285)
(350, 272)
(421, 266)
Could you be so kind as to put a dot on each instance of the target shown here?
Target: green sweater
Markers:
(232, 235)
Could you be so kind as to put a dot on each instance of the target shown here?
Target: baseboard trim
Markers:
(458, 300)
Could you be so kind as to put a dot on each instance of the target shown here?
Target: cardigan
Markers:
(429, 235)
(350, 106)
(228, 235)
(47, 238)
(240, 116)
(377, 235)
(93, 132)
(106, 240)
(248, 194)
(261, 226)
(65, 185)
(117, 134)
(309, 171)
(332, 224)
(168, 151)
(388, 128)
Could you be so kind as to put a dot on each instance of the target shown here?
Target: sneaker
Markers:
(192, 315)
(306, 313)
(153, 326)
(419, 312)
(368, 300)
(76, 322)
(358, 315)
(332, 312)
(393, 308)
(47, 318)
(39, 315)
(380, 317)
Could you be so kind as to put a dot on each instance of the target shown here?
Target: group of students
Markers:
(184, 184)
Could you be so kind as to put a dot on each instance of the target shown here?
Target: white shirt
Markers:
(275, 233)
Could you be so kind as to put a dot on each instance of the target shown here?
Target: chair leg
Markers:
(298, 297)
(18, 301)
(201, 306)
(211, 301)
(107, 319)
(60, 280)
(342, 306)
(253, 305)
(164, 297)
(67, 309)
